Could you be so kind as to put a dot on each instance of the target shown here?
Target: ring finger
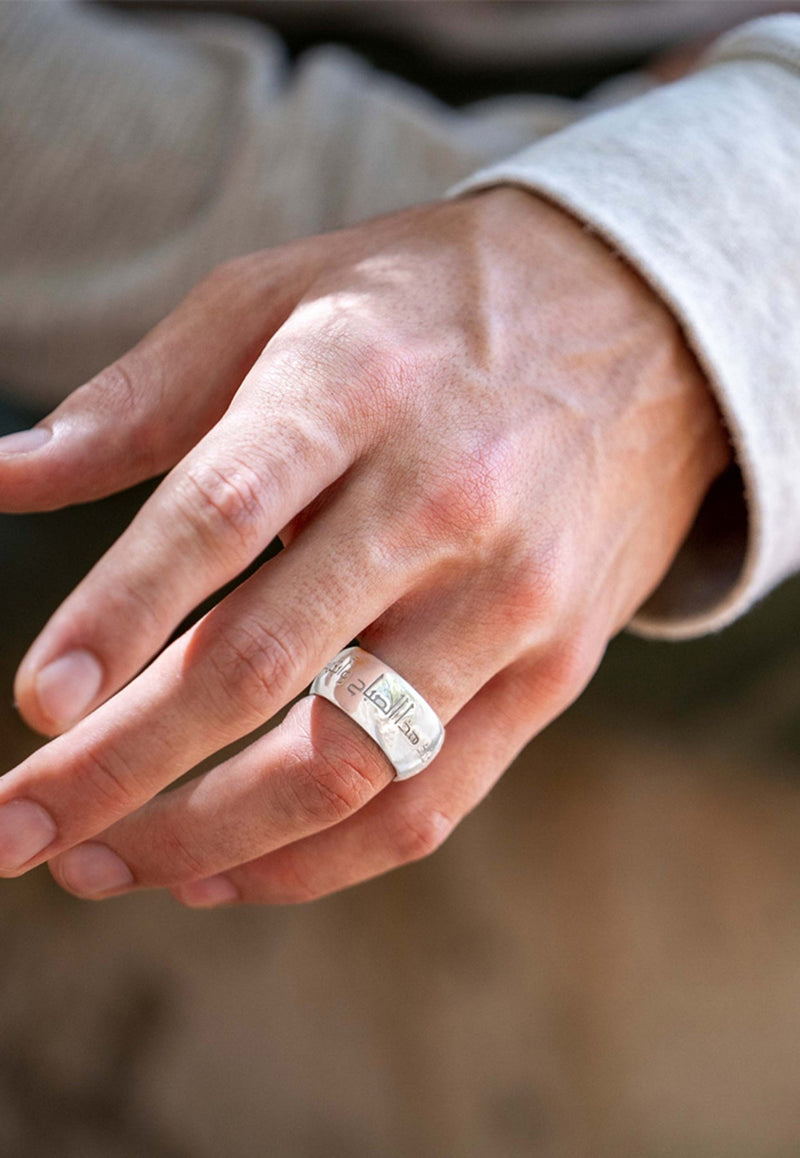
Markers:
(398, 827)
(313, 771)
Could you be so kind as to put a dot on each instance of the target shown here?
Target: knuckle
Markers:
(530, 596)
(568, 666)
(334, 772)
(253, 663)
(417, 834)
(127, 397)
(377, 371)
(182, 860)
(114, 389)
(110, 779)
(391, 367)
(135, 598)
(291, 886)
(223, 503)
(535, 592)
(386, 375)
(466, 507)
(330, 788)
(462, 511)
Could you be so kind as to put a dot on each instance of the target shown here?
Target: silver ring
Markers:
(401, 722)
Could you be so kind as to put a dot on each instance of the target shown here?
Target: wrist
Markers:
(651, 436)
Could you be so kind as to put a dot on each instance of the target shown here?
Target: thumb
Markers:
(142, 414)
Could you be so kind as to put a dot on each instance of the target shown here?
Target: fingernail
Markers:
(25, 829)
(67, 686)
(93, 868)
(22, 441)
(209, 892)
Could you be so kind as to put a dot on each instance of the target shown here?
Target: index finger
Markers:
(207, 521)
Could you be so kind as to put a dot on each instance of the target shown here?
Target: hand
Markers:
(482, 439)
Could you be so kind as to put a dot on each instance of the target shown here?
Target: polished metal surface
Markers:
(385, 705)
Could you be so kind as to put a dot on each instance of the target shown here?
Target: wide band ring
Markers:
(385, 705)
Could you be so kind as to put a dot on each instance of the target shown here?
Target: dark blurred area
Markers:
(465, 50)
(602, 962)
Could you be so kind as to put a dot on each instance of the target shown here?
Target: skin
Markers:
(482, 439)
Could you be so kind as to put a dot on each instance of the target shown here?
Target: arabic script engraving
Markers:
(395, 705)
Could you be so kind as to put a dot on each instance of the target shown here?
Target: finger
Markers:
(232, 671)
(315, 770)
(139, 416)
(207, 521)
(411, 819)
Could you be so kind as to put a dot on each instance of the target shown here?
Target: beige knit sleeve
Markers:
(697, 184)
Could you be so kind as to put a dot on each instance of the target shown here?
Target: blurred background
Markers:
(602, 962)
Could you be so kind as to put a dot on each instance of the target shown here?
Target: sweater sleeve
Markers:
(696, 184)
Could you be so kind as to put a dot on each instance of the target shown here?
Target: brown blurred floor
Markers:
(603, 962)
